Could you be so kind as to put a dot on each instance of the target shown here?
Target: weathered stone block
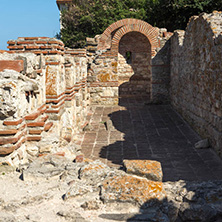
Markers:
(94, 172)
(150, 169)
(127, 188)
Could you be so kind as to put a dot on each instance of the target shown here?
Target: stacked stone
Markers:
(102, 74)
(22, 101)
(55, 86)
(103, 81)
(161, 69)
(50, 88)
(14, 132)
(77, 98)
(196, 75)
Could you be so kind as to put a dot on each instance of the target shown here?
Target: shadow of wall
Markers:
(140, 75)
(134, 65)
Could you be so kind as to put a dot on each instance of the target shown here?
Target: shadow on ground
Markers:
(157, 132)
(192, 177)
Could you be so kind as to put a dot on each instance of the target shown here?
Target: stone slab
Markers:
(127, 188)
(150, 169)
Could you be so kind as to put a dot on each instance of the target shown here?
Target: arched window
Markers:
(128, 57)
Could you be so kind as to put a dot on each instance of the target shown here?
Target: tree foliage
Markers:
(174, 14)
(86, 18)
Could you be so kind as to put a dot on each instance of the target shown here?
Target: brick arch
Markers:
(138, 24)
(149, 32)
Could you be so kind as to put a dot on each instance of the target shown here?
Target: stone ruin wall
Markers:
(43, 88)
(196, 78)
(111, 77)
(46, 89)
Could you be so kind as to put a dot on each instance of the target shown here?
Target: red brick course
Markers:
(8, 140)
(35, 131)
(37, 45)
(32, 116)
(34, 138)
(10, 148)
(36, 124)
(17, 65)
(8, 132)
(12, 122)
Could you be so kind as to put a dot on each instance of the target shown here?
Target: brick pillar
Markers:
(77, 85)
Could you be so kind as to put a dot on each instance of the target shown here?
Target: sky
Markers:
(27, 18)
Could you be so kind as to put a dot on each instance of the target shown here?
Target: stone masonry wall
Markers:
(196, 78)
(102, 77)
(160, 85)
(110, 73)
(43, 89)
(47, 88)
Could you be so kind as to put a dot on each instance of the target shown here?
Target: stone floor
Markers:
(134, 130)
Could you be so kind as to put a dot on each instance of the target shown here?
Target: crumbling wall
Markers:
(22, 114)
(196, 78)
(160, 85)
(131, 58)
(43, 92)
(46, 87)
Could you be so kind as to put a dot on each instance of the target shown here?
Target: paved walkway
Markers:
(153, 132)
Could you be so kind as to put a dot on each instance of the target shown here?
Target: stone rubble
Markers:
(202, 144)
(71, 216)
(64, 190)
(127, 188)
(46, 88)
(13, 84)
(41, 80)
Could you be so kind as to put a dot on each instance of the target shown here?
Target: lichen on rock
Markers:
(128, 188)
(150, 169)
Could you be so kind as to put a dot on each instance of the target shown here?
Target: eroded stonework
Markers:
(45, 94)
(44, 97)
(51, 87)
(196, 80)
(130, 59)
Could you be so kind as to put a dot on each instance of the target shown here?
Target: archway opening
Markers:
(134, 66)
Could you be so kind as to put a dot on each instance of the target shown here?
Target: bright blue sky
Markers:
(27, 18)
